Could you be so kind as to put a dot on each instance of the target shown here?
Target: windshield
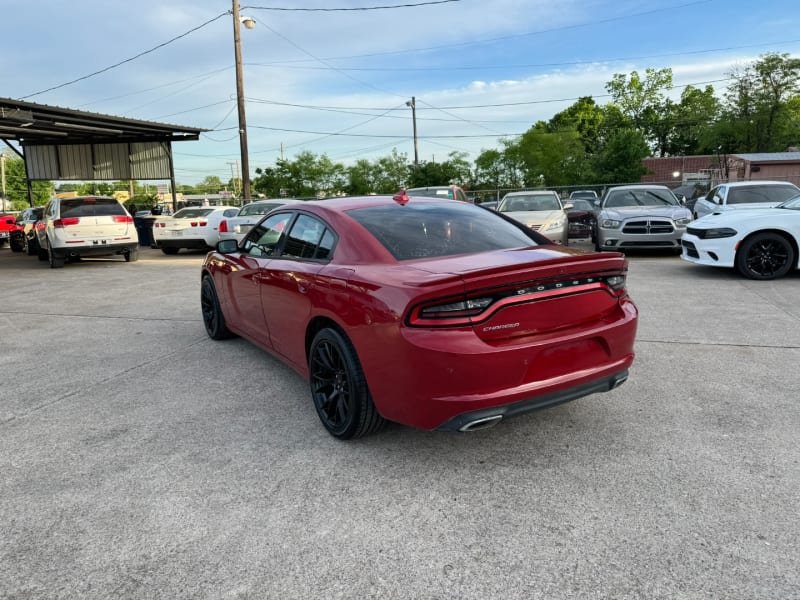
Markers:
(639, 197)
(432, 230)
(579, 204)
(431, 192)
(792, 203)
(533, 203)
(758, 194)
(589, 195)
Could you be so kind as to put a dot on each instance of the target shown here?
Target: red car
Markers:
(431, 313)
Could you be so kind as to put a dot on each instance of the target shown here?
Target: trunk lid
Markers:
(529, 291)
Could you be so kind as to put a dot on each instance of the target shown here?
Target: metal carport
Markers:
(66, 144)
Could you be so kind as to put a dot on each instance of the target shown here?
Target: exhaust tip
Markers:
(618, 382)
(484, 423)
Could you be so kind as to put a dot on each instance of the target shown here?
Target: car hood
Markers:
(627, 212)
(747, 206)
(535, 216)
(731, 218)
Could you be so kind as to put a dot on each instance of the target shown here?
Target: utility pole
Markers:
(237, 47)
(3, 180)
(413, 104)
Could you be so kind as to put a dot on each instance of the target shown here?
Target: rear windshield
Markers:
(193, 213)
(431, 230)
(760, 193)
(90, 207)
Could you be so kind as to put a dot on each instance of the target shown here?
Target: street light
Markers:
(249, 23)
(413, 104)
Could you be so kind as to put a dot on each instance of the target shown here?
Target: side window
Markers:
(304, 237)
(325, 248)
(460, 195)
(231, 212)
(265, 237)
(719, 195)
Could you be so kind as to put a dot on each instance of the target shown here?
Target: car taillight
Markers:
(65, 222)
(460, 312)
(159, 224)
(223, 226)
(469, 311)
(122, 219)
(199, 223)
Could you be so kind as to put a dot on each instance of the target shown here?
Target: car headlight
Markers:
(555, 225)
(683, 222)
(716, 233)
(610, 224)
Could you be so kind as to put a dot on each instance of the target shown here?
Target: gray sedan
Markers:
(640, 216)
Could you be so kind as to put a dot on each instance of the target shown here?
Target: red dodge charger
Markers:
(431, 313)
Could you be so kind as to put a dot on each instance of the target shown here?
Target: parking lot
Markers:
(140, 459)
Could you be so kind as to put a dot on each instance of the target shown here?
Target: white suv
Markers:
(72, 228)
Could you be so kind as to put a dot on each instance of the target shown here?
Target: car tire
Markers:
(339, 389)
(765, 256)
(213, 319)
(17, 245)
(170, 251)
(56, 262)
(41, 253)
(131, 255)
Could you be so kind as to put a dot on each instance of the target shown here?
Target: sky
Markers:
(336, 82)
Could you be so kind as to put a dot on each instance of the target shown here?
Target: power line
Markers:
(573, 63)
(591, 23)
(361, 8)
(127, 60)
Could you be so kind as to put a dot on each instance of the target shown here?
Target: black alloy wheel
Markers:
(765, 256)
(213, 318)
(339, 388)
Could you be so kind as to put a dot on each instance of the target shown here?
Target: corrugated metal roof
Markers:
(30, 123)
(770, 156)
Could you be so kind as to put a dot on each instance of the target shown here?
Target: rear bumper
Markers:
(194, 243)
(95, 249)
(490, 415)
(458, 374)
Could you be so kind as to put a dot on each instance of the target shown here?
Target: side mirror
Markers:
(227, 246)
(568, 205)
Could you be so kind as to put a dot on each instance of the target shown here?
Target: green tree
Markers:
(692, 122)
(17, 189)
(620, 161)
(551, 159)
(211, 184)
(585, 117)
(391, 172)
(456, 170)
(644, 102)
